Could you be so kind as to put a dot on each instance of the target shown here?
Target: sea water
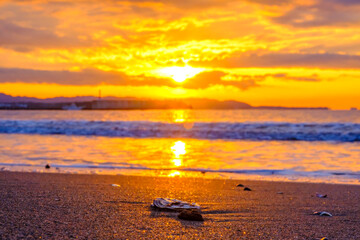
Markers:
(287, 145)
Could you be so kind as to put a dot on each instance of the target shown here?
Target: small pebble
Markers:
(280, 193)
(240, 185)
(324, 238)
(47, 166)
(115, 185)
(247, 189)
(190, 215)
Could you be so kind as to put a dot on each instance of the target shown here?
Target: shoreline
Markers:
(52, 205)
(176, 173)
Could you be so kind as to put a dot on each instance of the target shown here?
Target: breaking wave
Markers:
(340, 132)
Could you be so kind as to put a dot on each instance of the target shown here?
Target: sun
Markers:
(179, 74)
(179, 77)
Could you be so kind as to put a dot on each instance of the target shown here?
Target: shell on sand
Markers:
(173, 204)
(321, 195)
(323, 214)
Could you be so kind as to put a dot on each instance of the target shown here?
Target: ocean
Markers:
(279, 145)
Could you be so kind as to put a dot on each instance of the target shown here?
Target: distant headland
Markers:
(128, 103)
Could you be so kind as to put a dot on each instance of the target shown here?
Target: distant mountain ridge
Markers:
(4, 98)
(90, 102)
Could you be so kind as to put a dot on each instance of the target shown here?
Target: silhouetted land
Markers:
(113, 103)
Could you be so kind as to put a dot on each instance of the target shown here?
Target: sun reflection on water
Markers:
(178, 149)
(179, 116)
(177, 162)
(183, 117)
(174, 174)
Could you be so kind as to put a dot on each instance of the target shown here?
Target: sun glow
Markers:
(179, 74)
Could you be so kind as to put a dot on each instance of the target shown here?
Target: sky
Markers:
(292, 53)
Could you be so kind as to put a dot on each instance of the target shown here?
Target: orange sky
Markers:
(263, 52)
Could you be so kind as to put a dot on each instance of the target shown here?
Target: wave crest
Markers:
(342, 132)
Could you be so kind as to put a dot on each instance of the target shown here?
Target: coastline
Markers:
(249, 175)
(53, 206)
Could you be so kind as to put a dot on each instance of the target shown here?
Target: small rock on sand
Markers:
(47, 166)
(190, 215)
(240, 185)
(247, 189)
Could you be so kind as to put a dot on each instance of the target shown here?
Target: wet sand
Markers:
(61, 206)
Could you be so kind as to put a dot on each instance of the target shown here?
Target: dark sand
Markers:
(60, 206)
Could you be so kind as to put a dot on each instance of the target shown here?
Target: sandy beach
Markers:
(61, 206)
